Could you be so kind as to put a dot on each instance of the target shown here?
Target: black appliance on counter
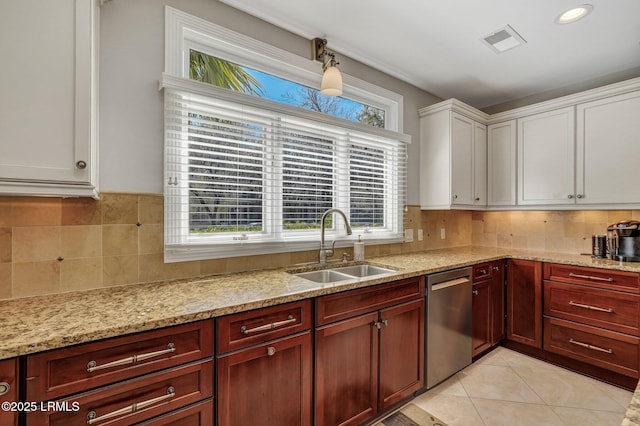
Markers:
(623, 241)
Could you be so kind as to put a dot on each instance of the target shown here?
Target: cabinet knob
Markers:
(570, 196)
(455, 196)
(4, 388)
(496, 268)
(81, 165)
(579, 196)
(475, 292)
(271, 351)
(477, 198)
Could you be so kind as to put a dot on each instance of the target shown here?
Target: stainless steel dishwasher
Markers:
(448, 339)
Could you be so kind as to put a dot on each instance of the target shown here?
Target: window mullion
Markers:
(343, 190)
(274, 184)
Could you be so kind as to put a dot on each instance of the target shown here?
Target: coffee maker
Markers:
(623, 241)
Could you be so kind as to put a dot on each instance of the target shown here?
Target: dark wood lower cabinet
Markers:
(488, 320)
(481, 319)
(498, 313)
(346, 365)
(200, 414)
(369, 363)
(268, 384)
(401, 352)
(524, 302)
(132, 401)
(8, 390)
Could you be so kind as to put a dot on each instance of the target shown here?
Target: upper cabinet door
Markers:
(501, 164)
(608, 150)
(47, 107)
(546, 157)
(462, 161)
(479, 164)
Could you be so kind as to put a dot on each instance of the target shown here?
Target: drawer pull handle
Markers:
(92, 416)
(593, 308)
(588, 346)
(93, 366)
(265, 327)
(590, 277)
(4, 388)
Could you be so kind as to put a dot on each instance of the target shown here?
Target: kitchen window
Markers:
(246, 175)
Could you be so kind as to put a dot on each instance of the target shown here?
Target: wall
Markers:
(54, 245)
(131, 107)
(557, 231)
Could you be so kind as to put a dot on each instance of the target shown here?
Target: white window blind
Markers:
(245, 175)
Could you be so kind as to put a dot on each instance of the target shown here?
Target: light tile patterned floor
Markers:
(511, 389)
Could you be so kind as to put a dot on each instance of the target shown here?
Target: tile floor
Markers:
(508, 388)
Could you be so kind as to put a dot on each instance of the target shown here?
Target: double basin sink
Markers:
(344, 273)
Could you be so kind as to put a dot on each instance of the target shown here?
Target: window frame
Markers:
(185, 32)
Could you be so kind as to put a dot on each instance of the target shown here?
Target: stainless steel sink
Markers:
(363, 270)
(324, 276)
(343, 273)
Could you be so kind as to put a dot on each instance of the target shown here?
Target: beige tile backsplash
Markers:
(560, 231)
(53, 245)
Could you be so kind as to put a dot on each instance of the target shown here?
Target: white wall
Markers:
(131, 109)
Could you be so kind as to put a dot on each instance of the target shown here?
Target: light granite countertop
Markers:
(42, 323)
(36, 324)
(632, 417)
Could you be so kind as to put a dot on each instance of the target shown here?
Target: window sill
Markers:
(184, 253)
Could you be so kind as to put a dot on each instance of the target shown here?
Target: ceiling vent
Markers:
(503, 39)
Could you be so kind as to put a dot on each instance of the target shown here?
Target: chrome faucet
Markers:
(328, 252)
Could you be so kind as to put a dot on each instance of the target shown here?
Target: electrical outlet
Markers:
(442, 233)
(408, 235)
(420, 235)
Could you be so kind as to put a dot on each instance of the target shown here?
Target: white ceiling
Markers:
(436, 45)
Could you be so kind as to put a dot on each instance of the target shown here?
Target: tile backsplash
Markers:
(54, 245)
(558, 231)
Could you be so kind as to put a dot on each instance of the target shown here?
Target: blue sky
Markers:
(276, 88)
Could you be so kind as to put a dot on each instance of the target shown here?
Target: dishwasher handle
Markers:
(449, 283)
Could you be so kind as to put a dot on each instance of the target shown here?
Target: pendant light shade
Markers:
(331, 82)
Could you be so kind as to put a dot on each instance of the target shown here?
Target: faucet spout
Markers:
(325, 252)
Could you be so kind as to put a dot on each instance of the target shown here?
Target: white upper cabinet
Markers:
(608, 150)
(546, 158)
(453, 157)
(48, 97)
(501, 164)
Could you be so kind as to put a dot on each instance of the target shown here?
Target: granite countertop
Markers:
(42, 323)
(632, 417)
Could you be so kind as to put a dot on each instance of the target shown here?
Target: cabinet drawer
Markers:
(82, 367)
(339, 306)
(482, 272)
(252, 327)
(607, 349)
(8, 389)
(602, 308)
(593, 277)
(152, 395)
(200, 414)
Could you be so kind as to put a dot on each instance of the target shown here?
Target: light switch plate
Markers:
(420, 234)
(442, 233)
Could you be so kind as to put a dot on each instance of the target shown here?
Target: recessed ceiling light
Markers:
(574, 14)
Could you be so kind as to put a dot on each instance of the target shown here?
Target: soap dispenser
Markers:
(358, 250)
